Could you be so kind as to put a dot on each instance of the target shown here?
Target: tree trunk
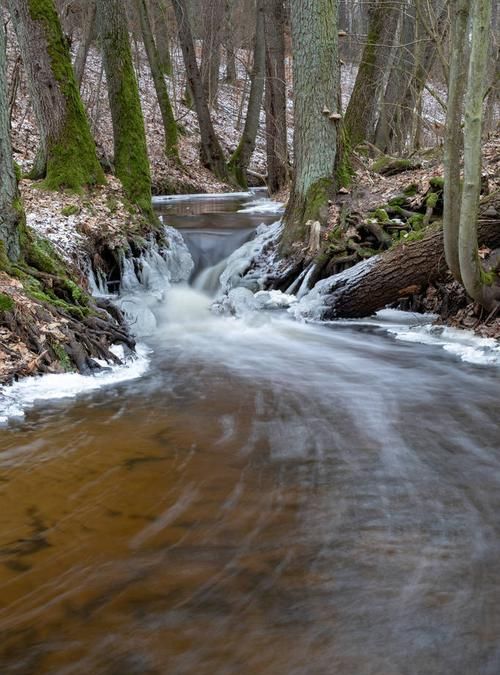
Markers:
(231, 74)
(67, 152)
(211, 151)
(130, 150)
(276, 98)
(240, 160)
(453, 134)
(316, 83)
(210, 55)
(361, 112)
(391, 134)
(10, 207)
(167, 115)
(471, 270)
(377, 282)
(88, 31)
(161, 37)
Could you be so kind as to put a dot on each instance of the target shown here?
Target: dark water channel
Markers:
(271, 498)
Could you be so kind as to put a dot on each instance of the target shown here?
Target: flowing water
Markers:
(270, 497)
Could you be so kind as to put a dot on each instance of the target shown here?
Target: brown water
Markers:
(271, 498)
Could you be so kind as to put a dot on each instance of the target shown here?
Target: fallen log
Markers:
(385, 278)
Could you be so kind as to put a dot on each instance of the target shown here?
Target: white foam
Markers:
(461, 343)
(263, 206)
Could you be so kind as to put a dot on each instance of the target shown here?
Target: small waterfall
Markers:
(145, 278)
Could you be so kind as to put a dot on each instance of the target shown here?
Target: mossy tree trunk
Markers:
(67, 158)
(212, 155)
(10, 208)
(276, 97)
(240, 160)
(476, 283)
(130, 149)
(361, 112)
(316, 83)
(167, 115)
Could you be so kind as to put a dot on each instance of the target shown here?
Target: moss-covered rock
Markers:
(70, 210)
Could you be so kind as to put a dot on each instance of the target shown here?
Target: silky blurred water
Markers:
(271, 497)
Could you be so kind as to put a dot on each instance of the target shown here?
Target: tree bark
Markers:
(161, 37)
(471, 270)
(453, 134)
(10, 207)
(211, 151)
(231, 74)
(88, 31)
(211, 49)
(67, 156)
(167, 115)
(276, 98)
(240, 160)
(130, 150)
(316, 83)
(361, 112)
(385, 279)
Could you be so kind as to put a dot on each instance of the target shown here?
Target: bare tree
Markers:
(240, 160)
(213, 25)
(169, 122)
(361, 112)
(211, 151)
(88, 31)
(276, 97)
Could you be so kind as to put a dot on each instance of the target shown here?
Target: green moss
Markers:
(7, 304)
(437, 182)
(399, 200)
(343, 170)
(72, 160)
(17, 171)
(399, 164)
(40, 254)
(316, 201)
(488, 278)
(411, 190)
(416, 221)
(62, 356)
(70, 210)
(381, 215)
(130, 155)
(432, 200)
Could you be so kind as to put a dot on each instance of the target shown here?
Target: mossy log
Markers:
(389, 276)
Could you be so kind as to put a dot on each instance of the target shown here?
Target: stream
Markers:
(264, 496)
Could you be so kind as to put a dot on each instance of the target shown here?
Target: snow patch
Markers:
(16, 398)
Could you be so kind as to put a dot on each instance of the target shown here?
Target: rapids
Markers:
(263, 495)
